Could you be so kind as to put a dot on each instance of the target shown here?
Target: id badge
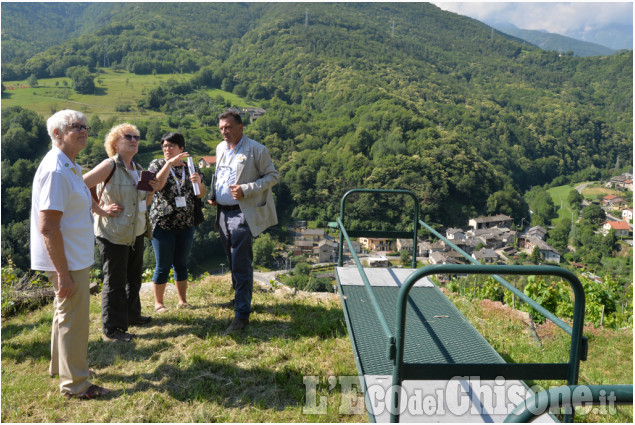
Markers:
(180, 201)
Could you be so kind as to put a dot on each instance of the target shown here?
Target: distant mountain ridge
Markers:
(549, 41)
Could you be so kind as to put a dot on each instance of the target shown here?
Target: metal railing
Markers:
(395, 343)
(568, 371)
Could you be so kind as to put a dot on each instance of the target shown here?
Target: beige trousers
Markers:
(69, 334)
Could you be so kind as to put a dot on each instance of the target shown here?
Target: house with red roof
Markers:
(621, 228)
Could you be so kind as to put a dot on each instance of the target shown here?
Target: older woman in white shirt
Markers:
(62, 245)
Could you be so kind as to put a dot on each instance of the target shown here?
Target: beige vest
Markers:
(130, 223)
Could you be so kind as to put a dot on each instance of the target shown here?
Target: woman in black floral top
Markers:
(172, 218)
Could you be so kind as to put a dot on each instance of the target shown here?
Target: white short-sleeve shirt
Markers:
(58, 185)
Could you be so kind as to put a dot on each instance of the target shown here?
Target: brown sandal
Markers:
(160, 309)
(93, 391)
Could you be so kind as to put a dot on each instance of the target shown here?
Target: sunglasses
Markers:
(78, 127)
(131, 137)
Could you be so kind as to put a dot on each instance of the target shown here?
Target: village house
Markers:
(486, 256)
(252, 113)
(549, 253)
(537, 231)
(468, 245)
(357, 247)
(325, 251)
(302, 247)
(424, 248)
(314, 235)
(622, 229)
(206, 161)
(405, 245)
(614, 202)
(375, 244)
(438, 258)
(455, 257)
(455, 234)
(500, 220)
(621, 182)
(627, 214)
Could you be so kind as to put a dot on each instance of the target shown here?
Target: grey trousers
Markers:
(237, 241)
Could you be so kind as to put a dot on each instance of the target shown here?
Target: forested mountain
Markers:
(29, 28)
(395, 95)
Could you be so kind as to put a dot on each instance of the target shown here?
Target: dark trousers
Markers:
(237, 241)
(123, 266)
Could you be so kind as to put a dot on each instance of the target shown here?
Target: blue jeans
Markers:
(237, 241)
(171, 249)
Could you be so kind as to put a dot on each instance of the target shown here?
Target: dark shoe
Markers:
(237, 325)
(117, 336)
(141, 320)
(229, 304)
(93, 391)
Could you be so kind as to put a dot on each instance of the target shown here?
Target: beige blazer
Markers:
(256, 175)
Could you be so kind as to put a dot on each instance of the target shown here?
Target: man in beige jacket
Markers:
(242, 193)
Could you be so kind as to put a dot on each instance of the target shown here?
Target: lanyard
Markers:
(179, 185)
(134, 170)
(233, 153)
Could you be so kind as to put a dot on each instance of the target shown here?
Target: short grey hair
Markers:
(231, 112)
(61, 119)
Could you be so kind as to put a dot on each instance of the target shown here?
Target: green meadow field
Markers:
(113, 88)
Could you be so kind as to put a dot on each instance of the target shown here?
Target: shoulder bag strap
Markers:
(114, 167)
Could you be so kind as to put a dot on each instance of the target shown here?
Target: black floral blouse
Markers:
(163, 212)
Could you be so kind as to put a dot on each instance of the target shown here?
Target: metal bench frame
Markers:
(395, 342)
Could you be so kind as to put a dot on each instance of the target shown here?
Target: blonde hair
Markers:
(117, 133)
(60, 120)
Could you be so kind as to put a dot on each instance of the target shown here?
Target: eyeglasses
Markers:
(131, 137)
(168, 146)
(78, 127)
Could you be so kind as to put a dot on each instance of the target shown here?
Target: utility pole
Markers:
(106, 61)
(306, 18)
(392, 34)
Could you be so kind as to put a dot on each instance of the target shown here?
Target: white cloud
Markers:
(555, 17)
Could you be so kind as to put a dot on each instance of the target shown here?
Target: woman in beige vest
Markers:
(120, 226)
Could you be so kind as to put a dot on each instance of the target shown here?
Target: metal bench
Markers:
(419, 358)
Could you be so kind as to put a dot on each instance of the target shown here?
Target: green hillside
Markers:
(435, 103)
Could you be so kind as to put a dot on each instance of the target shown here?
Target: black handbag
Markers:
(198, 212)
(212, 189)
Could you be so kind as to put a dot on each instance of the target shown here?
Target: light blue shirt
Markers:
(226, 174)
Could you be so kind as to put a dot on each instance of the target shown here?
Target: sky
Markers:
(555, 17)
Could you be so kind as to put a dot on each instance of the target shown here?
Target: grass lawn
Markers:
(112, 88)
(597, 192)
(610, 357)
(183, 368)
(559, 195)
